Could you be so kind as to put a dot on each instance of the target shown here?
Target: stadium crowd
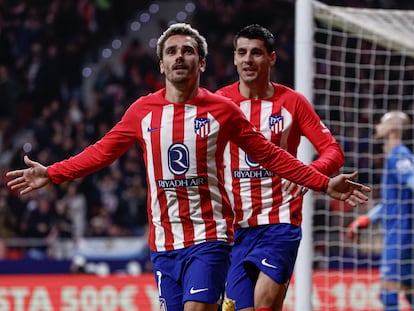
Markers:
(43, 47)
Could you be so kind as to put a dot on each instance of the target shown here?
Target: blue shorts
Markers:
(397, 264)
(196, 273)
(271, 249)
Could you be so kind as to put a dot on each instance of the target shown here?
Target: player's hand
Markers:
(294, 189)
(342, 188)
(28, 179)
(352, 231)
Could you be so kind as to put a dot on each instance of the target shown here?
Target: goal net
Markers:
(364, 66)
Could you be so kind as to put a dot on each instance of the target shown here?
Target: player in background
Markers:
(395, 212)
(268, 209)
(183, 130)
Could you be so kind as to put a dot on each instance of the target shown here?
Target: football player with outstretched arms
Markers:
(268, 208)
(183, 130)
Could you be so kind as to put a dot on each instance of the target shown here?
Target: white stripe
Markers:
(193, 193)
(265, 113)
(245, 190)
(284, 208)
(167, 121)
(227, 174)
(266, 183)
(221, 225)
(156, 211)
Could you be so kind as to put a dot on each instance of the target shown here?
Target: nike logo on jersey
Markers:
(195, 291)
(152, 129)
(266, 264)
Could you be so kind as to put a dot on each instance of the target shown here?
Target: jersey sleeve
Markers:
(272, 157)
(410, 182)
(99, 155)
(402, 163)
(330, 155)
(375, 214)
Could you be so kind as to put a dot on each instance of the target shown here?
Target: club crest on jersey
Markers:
(276, 123)
(202, 127)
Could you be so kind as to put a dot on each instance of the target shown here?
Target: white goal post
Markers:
(353, 64)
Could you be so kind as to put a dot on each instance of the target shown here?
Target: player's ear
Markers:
(273, 57)
(202, 64)
(161, 67)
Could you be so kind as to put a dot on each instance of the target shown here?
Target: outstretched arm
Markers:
(28, 179)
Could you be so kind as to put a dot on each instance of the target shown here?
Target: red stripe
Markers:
(234, 151)
(205, 196)
(276, 180)
(255, 183)
(158, 165)
(184, 207)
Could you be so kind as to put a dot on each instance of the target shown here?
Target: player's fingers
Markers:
(15, 173)
(28, 161)
(356, 198)
(351, 176)
(15, 181)
(358, 186)
(360, 196)
(300, 191)
(26, 190)
(297, 193)
(18, 186)
(291, 188)
(286, 184)
(351, 202)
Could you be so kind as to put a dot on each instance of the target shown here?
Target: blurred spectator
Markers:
(99, 226)
(62, 221)
(59, 240)
(9, 92)
(72, 61)
(8, 220)
(50, 76)
(38, 223)
(132, 211)
(108, 188)
(76, 204)
(139, 67)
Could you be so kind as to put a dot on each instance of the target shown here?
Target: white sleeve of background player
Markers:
(375, 214)
(410, 182)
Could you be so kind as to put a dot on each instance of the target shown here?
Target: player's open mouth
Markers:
(178, 67)
(249, 71)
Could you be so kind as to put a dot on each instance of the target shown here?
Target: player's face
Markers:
(181, 62)
(252, 60)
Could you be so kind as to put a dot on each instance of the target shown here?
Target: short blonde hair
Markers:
(185, 30)
(392, 120)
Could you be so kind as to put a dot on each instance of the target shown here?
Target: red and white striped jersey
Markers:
(283, 118)
(183, 146)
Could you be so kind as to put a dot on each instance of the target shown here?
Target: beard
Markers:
(181, 75)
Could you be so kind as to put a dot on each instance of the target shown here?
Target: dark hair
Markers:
(255, 31)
